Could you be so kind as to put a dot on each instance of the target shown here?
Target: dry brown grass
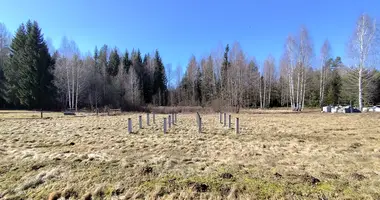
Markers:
(276, 156)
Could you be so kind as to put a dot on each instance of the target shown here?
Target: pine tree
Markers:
(114, 62)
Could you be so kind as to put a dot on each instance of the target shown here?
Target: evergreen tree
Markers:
(2, 82)
(114, 62)
(224, 73)
(126, 61)
(11, 69)
(159, 82)
(147, 81)
(137, 65)
(29, 73)
(335, 84)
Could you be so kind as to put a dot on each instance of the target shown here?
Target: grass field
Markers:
(277, 155)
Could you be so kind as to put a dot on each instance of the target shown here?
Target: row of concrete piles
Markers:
(168, 122)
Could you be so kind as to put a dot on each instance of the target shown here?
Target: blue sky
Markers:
(180, 29)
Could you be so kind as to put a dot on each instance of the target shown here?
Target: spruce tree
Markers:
(3, 60)
(335, 84)
(29, 74)
(224, 73)
(16, 61)
(126, 62)
(114, 62)
(147, 82)
(159, 82)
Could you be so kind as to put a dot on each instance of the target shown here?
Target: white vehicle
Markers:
(376, 109)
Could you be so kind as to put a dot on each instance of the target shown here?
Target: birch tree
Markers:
(269, 76)
(284, 81)
(291, 57)
(305, 55)
(363, 49)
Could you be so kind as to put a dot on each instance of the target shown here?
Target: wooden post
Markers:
(225, 120)
(170, 121)
(140, 122)
(175, 117)
(154, 118)
(129, 125)
(173, 121)
(237, 125)
(199, 122)
(97, 111)
(229, 121)
(199, 125)
(220, 117)
(164, 125)
(42, 115)
(147, 119)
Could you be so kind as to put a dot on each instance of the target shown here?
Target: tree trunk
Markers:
(68, 85)
(304, 90)
(360, 88)
(73, 87)
(261, 99)
(298, 89)
(321, 87)
(77, 88)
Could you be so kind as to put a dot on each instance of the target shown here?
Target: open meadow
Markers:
(276, 155)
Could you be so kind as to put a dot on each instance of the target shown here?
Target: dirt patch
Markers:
(199, 187)
(146, 170)
(358, 176)
(70, 193)
(310, 179)
(355, 145)
(277, 175)
(226, 176)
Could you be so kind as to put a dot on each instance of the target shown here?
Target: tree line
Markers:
(33, 78)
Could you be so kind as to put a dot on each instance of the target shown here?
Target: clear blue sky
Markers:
(180, 28)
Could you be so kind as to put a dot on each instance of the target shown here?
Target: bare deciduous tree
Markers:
(305, 55)
(291, 56)
(363, 49)
(269, 76)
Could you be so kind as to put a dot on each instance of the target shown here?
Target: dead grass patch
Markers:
(275, 156)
